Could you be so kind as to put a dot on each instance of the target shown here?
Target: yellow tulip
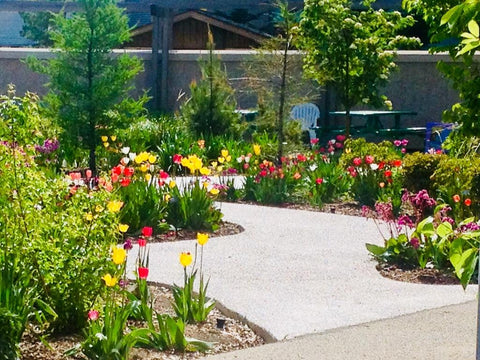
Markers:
(114, 206)
(109, 280)
(205, 184)
(228, 158)
(214, 191)
(152, 159)
(205, 171)
(104, 138)
(89, 216)
(224, 153)
(220, 168)
(221, 159)
(98, 208)
(144, 168)
(214, 164)
(167, 197)
(106, 144)
(123, 228)
(172, 184)
(148, 177)
(202, 238)
(185, 259)
(113, 137)
(118, 255)
(256, 149)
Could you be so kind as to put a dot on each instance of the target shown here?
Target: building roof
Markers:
(211, 19)
(11, 25)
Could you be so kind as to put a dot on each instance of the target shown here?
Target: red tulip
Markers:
(142, 242)
(128, 172)
(125, 182)
(319, 181)
(467, 202)
(142, 273)
(357, 161)
(147, 231)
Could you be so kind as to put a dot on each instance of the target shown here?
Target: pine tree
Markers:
(89, 85)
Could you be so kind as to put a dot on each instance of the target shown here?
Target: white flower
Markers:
(132, 156)
(239, 159)
(313, 167)
(126, 160)
(247, 159)
(374, 166)
(125, 150)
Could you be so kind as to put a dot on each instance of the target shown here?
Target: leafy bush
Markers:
(418, 169)
(211, 108)
(453, 180)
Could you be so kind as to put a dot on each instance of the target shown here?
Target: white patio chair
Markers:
(307, 114)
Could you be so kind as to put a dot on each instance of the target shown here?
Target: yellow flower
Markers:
(123, 228)
(113, 137)
(214, 191)
(98, 208)
(109, 280)
(220, 168)
(348, 151)
(148, 177)
(152, 159)
(89, 216)
(202, 238)
(118, 255)
(106, 144)
(205, 171)
(205, 184)
(114, 206)
(228, 158)
(104, 138)
(224, 153)
(142, 157)
(185, 259)
(144, 168)
(167, 197)
(256, 149)
(185, 162)
(172, 184)
(196, 162)
(214, 164)
(221, 159)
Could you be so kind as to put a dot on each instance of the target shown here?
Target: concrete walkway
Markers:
(295, 273)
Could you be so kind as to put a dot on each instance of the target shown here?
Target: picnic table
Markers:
(374, 125)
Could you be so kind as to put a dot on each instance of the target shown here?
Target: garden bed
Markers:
(234, 336)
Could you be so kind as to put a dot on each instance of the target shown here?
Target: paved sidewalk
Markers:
(294, 273)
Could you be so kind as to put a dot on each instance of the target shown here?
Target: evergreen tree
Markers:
(89, 85)
(210, 110)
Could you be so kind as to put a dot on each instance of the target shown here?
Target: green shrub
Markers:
(211, 108)
(418, 169)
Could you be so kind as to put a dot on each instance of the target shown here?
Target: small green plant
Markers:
(211, 107)
(170, 335)
(188, 306)
(418, 169)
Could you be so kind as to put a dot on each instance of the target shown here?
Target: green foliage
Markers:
(418, 169)
(88, 85)
(351, 51)
(191, 307)
(211, 108)
(192, 208)
(170, 335)
(455, 19)
(105, 338)
(35, 27)
(458, 177)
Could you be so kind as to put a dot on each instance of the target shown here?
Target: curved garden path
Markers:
(295, 272)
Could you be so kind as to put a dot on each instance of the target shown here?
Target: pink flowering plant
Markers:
(425, 236)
